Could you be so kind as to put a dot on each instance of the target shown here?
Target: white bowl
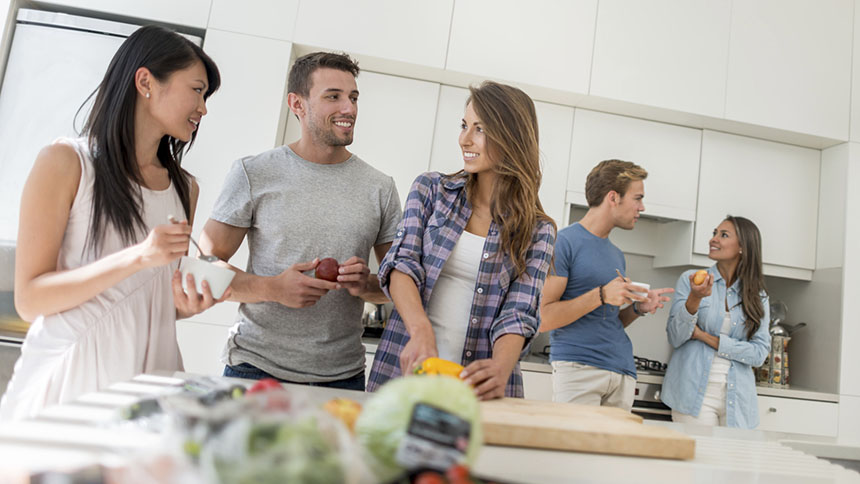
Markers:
(642, 284)
(218, 277)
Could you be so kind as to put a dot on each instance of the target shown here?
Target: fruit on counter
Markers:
(438, 366)
(388, 414)
(345, 410)
(429, 477)
(327, 269)
(458, 474)
(699, 277)
(264, 385)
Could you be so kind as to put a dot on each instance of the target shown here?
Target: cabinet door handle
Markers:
(771, 410)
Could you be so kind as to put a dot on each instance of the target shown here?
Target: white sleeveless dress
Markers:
(123, 331)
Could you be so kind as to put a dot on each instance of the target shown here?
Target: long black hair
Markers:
(117, 198)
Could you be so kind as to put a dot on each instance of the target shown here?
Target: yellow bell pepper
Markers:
(438, 366)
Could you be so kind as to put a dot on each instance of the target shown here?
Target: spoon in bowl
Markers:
(201, 255)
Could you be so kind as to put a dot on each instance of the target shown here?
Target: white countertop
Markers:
(75, 434)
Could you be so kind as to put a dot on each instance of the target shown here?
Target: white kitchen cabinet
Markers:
(546, 43)
(554, 127)
(772, 184)
(413, 32)
(849, 384)
(446, 156)
(669, 153)
(665, 53)
(790, 65)
(798, 416)
(368, 364)
(193, 13)
(275, 19)
(201, 345)
(849, 419)
(243, 120)
(855, 77)
(391, 138)
(537, 385)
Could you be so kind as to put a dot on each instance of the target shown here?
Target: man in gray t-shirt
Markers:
(298, 204)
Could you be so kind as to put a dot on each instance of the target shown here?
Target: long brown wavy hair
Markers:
(749, 272)
(511, 128)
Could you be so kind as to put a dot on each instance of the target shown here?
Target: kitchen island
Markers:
(85, 431)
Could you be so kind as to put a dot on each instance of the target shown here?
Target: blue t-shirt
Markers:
(598, 338)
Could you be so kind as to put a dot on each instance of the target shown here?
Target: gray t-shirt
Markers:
(295, 211)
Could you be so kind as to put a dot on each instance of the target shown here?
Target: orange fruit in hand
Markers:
(699, 277)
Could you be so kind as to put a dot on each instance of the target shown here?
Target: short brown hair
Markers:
(611, 175)
(300, 74)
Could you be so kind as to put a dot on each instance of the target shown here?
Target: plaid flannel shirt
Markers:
(435, 216)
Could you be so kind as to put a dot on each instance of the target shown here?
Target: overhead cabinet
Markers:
(775, 185)
(412, 32)
(670, 154)
(191, 13)
(544, 43)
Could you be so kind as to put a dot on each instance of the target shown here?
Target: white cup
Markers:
(218, 277)
(642, 284)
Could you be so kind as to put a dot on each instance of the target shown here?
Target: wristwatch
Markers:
(636, 309)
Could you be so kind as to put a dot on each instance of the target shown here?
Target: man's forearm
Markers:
(374, 293)
(561, 313)
(627, 315)
(248, 288)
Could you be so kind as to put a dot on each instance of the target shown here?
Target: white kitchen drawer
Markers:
(798, 416)
(537, 385)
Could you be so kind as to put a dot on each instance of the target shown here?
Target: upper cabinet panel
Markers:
(666, 53)
(264, 18)
(554, 128)
(546, 43)
(775, 185)
(414, 32)
(790, 65)
(669, 153)
(193, 13)
(855, 80)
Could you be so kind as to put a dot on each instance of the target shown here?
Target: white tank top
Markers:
(125, 330)
(720, 366)
(451, 302)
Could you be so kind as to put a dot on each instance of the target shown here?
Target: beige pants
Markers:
(586, 385)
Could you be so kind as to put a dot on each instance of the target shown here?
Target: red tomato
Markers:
(458, 474)
(429, 477)
(264, 385)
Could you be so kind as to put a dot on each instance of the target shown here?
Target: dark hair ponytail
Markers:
(117, 199)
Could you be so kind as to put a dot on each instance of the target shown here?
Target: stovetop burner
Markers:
(644, 365)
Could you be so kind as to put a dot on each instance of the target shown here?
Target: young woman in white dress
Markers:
(96, 259)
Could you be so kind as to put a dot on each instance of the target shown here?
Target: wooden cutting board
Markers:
(566, 426)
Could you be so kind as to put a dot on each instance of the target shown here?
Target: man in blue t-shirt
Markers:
(591, 355)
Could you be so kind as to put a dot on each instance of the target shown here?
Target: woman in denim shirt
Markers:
(719, 330)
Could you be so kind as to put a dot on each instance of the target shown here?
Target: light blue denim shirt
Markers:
(687, 376)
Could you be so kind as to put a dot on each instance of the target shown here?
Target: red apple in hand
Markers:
(327, 269)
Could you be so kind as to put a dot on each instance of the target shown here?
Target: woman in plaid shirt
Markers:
(472, 252)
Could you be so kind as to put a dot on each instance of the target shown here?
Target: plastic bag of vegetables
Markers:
(273, 436)
(419, 421)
